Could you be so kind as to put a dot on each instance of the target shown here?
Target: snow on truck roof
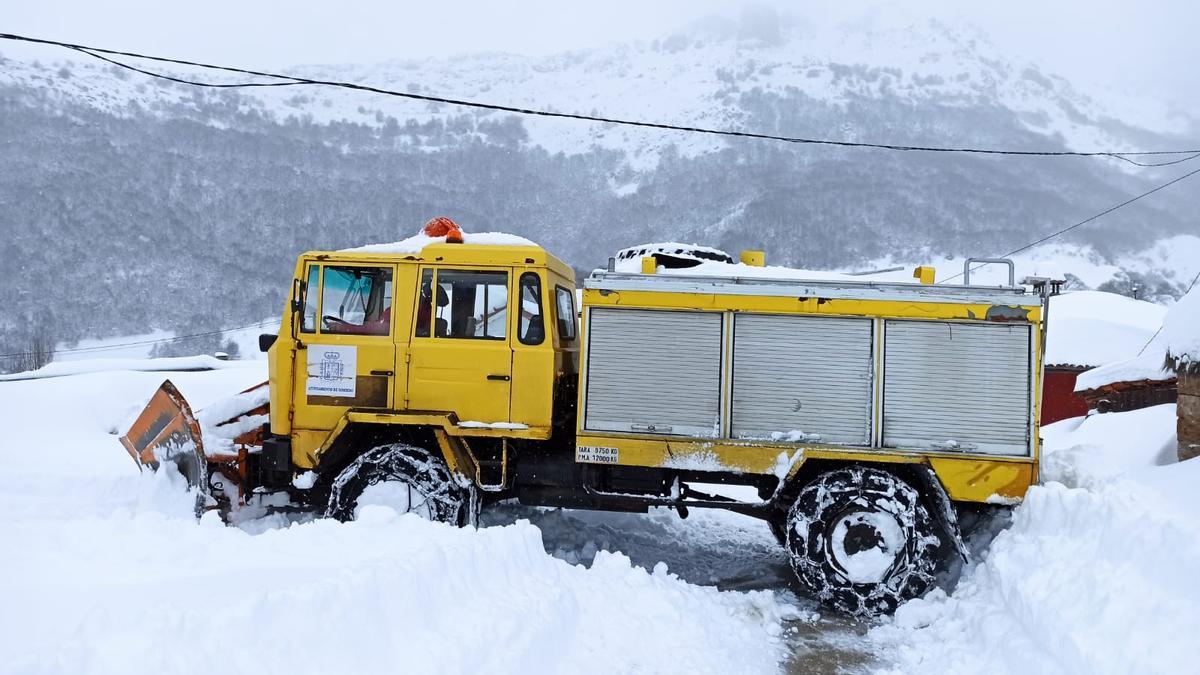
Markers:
(417, 242)
(475, 248)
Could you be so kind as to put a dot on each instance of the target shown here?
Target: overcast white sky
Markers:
(1146, 46)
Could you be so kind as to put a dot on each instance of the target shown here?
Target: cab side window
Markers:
(564, 312)
(356, 300)
(469, 305)
(531, 328)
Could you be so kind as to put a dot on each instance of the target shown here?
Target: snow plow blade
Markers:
(167, 431)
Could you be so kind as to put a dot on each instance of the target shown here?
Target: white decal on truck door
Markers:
(332, 370)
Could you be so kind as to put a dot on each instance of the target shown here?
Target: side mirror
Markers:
(298, 288)
(265, 341)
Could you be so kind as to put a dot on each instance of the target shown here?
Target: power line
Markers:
(291, 80)
(1160, 326)
(139, 343)
(1085, 221)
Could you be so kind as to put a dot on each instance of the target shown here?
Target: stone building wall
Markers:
(1189, 412)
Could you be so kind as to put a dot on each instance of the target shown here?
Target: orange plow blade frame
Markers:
(168, 431)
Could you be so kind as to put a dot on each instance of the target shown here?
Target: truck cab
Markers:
(480, 334)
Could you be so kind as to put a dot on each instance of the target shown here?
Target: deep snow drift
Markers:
(105, 571)
(1093, 579)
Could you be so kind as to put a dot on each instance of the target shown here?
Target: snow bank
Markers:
(172, 364)
(141, 592)
(1087, 451)
(418, 241)
(1091, 328)
(1096, 580)
(105, 571)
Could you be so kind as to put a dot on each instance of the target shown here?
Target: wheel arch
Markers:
(351, 439)
(916, 473)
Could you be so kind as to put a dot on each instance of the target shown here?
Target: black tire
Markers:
(862, 541)
(423, 483)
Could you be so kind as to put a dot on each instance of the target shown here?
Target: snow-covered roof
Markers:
(1181, 332)
(1147, 366)
(1093, 328)
(419, 241)
(1178, 341)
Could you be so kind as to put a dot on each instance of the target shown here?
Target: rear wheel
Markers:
(406, 478)
(862, 541)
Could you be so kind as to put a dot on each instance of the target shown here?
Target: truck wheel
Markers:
(862, 541)
(405, 477)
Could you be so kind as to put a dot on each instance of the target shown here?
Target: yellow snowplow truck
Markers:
(859, 419)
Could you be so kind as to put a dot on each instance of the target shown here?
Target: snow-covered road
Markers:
(104, 570)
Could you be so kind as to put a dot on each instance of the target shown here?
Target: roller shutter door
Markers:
(805, 377)
(957, 386)
(654, 372)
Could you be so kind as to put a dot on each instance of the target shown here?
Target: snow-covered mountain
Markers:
(699, 76)
(140, 184)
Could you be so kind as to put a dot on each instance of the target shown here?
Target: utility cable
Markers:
(291, 80)
(1160, 326)
(1085, 221)
(139, 343)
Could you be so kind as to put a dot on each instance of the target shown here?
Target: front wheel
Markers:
(862, 541)
(406, 478)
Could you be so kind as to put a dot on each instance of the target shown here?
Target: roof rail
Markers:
(1012, 269)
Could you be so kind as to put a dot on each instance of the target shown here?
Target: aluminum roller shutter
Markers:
(957, 386)
(654, 372)
(802, 373)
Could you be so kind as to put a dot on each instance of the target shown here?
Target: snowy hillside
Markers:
(210, 194)
(700, 75)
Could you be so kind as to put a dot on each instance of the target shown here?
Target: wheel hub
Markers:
(399, 495)
(864, 545)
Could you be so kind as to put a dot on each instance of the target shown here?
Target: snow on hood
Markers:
(419, 241)
(1092, 328)
(1181, 329)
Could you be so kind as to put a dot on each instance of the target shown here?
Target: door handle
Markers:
(385, 373)
(502, 378)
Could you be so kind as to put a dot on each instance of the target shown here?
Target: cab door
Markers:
(349, 355)
(460, 355)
